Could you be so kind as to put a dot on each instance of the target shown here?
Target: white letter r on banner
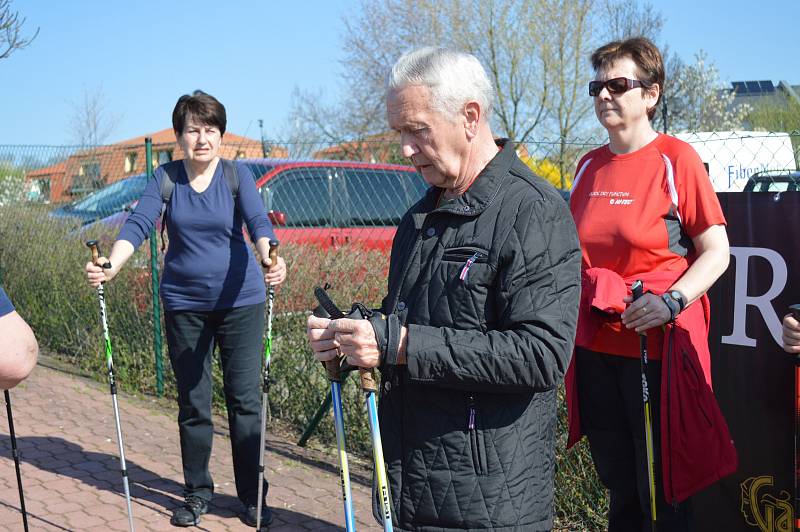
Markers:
(763, 302)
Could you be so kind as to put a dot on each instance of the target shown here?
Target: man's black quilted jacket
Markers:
(488, 286)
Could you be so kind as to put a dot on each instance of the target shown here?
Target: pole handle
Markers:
(795, 310)
(332, 369)
(94, 246)
(637, 289)
(368, 381)
(273, 253)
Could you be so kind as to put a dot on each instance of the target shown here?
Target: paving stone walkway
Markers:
(70, 469)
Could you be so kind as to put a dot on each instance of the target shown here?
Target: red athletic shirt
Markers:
(623, 209)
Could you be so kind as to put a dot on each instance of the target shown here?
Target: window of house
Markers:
(130, 162)
(163, 157)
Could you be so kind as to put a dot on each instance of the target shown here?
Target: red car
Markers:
(325, 203)
(334, 203)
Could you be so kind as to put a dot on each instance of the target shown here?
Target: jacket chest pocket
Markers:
(464, 276)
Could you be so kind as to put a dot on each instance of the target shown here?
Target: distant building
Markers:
(92, 168)
(754, 92)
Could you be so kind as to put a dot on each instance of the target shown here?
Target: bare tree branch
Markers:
(91, 123)
(10, 30)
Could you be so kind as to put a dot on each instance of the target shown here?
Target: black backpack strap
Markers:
(171, 170)
(231, 174)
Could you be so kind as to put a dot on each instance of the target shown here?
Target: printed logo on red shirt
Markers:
(615, 198)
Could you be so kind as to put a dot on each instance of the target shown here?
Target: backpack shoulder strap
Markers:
(171, 170)
(231, 174)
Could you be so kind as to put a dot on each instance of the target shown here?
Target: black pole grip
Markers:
(637, 288)
(795, 310)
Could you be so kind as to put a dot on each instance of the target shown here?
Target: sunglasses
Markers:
(614, 86)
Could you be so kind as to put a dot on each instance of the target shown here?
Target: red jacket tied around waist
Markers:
(696, 447)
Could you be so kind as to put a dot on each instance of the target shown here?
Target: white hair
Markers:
(454, 78)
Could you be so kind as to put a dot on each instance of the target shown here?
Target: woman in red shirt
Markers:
(645, 210)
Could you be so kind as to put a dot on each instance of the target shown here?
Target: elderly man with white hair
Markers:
(478, 326)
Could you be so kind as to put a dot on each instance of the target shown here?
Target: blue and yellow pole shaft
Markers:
(332, 368)
(370, 386)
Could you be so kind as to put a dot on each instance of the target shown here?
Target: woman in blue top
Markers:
(213, 293)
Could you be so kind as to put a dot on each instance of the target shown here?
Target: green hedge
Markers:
(41, 263)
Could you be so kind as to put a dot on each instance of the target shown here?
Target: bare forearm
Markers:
(121, 251)
(711, 263)
(19, 351)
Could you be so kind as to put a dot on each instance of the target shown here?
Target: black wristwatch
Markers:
(675, 303)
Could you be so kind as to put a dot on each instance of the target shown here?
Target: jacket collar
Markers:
(482, 191)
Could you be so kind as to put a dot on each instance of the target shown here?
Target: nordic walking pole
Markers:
(93, 245)
(370, 386)
(795, 310)
(335, 377)
(273, 257)
(638, 289)
(15, 454)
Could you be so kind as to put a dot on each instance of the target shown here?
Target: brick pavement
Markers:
(69, 459)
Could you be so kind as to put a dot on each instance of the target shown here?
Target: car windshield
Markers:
(112, 198)
(258, 169)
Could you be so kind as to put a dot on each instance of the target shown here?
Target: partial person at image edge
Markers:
(20, 349)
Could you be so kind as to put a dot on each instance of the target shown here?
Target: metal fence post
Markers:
(148, 146)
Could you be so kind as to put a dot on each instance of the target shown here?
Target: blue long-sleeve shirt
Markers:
(6, 307)
(209, 265)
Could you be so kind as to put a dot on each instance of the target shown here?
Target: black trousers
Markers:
(612, 417)
(191, 336)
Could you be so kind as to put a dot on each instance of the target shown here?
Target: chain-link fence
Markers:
(335, 207)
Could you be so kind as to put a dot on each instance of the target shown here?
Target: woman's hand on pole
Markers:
(274, 274)
(97, 274)
(121, 251)
(645, 313)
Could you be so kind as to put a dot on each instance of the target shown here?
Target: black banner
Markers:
(753, 377)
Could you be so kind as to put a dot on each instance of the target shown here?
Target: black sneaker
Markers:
(248, 516)
(189, 514)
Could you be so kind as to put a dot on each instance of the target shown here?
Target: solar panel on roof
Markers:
(767, 86)
(753, 87)
(739, 87)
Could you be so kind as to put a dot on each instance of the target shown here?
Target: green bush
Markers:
(41, 263)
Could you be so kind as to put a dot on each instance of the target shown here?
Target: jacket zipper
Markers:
(473, 436)
(464, 254)
(468, 265)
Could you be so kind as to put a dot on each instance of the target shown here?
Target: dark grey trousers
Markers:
(612, 417)
(192, 336)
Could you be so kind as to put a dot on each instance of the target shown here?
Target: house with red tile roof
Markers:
(95, 167)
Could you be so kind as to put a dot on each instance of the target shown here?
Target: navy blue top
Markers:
(6, 307)
(209, 265)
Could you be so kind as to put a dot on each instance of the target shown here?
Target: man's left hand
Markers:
(356, 340)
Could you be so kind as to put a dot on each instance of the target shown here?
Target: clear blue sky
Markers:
(252, 53)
